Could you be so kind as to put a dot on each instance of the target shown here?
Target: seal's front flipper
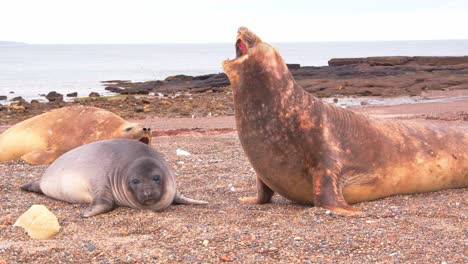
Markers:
(32, 187)
(41, 157)
(327, 194)
(98, 206)
(264, 194)
(179, 199)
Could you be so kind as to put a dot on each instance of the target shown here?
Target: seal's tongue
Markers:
(145, 140)
(241, 48)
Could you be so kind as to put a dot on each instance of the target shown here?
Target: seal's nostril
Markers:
(145, 129)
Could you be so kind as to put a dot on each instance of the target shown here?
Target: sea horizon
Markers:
(33, 69)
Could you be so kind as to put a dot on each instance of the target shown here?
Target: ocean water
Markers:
(30, 70)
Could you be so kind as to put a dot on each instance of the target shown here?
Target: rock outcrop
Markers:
(54, 97)
(373, 76)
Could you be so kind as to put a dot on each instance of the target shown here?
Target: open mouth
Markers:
(241, 48)
(145, 140)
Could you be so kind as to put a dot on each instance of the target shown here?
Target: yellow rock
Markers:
(39, 222)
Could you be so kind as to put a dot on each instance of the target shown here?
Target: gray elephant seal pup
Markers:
(110, 173)
(313, 152)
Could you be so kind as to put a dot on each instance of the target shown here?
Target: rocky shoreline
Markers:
(373, 76)
(208, 95)
(427, 227)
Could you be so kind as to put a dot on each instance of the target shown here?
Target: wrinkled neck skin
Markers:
(266, 95)
(123, 196)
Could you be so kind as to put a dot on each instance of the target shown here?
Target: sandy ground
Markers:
(419, 228)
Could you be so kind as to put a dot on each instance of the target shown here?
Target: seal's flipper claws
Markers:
(97, 207)
(348, 210)
(249, 200)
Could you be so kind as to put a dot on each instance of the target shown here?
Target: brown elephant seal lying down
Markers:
(43, 138)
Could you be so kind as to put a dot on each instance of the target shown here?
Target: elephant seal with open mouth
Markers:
(110, 173)
(313, 152)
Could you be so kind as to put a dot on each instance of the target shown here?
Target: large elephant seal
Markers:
(313, 152)
(43, 138)
(109, 173)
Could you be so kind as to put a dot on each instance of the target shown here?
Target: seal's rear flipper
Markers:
(32, 187)
(179, 199)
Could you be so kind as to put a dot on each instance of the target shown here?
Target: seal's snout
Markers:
(146, 138)
(150, 197)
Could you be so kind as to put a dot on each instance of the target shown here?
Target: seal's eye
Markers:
(135, 182)
(156, 178)
(128, 129)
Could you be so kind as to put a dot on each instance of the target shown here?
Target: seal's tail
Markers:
(179, 199)
(32, 187)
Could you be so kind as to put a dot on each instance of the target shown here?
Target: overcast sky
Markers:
(202, 21)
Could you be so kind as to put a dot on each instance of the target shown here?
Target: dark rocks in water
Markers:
(293, 66)
(43, 95)
(135, 90)
(203, 77)
(373, 61)
(113, 89)
(372, 76)
(3, 97)
(1, 107)
(401, 60)
(117, 81)
(16, 99)
(180, 77)
(54, 97)
(74, 94)
(345, 61)
(384, 76)
(94, 94)
(34, 101)
(172, 84)
(12, 92)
